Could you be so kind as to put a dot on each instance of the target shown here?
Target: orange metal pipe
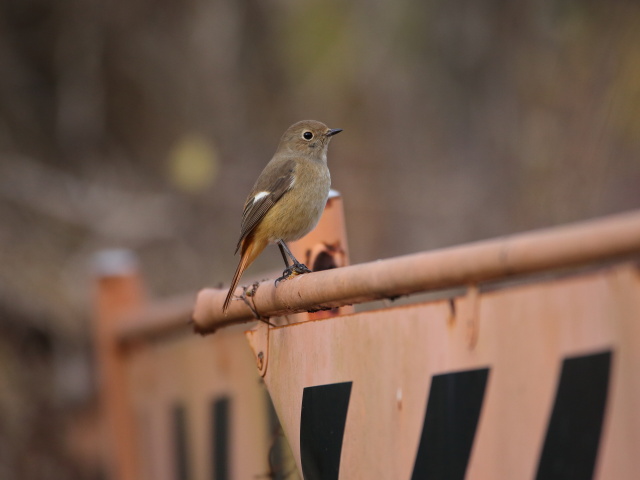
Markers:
(156, 319)
(119, 290)
(555, 248)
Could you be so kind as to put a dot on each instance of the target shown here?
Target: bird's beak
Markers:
(333, 131)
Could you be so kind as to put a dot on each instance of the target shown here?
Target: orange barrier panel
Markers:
(533, 381)
(173, 406)
(529, 380)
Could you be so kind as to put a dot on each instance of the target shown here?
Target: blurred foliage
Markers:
(193, 163)
(143, 125)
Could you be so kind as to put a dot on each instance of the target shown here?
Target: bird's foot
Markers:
(292, 271)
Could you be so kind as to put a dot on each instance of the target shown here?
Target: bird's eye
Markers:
(307, 135)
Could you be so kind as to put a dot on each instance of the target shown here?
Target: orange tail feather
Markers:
(249, 254)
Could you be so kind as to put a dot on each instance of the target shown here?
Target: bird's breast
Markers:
(299, 210)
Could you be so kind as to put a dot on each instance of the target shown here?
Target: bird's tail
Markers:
(249, 254)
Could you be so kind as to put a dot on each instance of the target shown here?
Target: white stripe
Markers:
(260, 195)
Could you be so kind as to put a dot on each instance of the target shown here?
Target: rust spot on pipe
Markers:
(473, 321)
(451, 320)
(260, 360)
(320, 309)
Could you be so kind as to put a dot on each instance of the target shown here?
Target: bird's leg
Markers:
(297, 267)
(292, 270)
(284, 253)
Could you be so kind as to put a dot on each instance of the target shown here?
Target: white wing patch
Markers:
(259, 195)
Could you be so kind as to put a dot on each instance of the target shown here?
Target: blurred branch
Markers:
(106, 211)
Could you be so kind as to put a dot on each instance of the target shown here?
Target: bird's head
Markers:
(308, 137)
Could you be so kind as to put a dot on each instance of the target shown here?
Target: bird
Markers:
(287, 199)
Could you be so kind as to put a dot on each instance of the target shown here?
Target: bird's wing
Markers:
(273, 183)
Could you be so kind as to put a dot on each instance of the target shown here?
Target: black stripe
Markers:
(179, 417)
(573, 435)
(220, 412)
(322, 420)
(451, 418)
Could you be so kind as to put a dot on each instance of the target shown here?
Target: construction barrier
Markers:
(528, 368)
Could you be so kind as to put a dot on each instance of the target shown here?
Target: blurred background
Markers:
(143, 124)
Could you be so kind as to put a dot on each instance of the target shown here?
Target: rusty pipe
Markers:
(554, 248)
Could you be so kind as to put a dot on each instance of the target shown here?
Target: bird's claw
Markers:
(292, 271)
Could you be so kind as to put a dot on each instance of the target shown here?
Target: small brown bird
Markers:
(288, 198)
